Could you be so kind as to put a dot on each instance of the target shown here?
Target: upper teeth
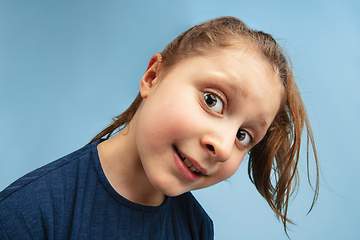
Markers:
(188, 164)
(192, 168)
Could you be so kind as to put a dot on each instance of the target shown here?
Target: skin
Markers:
(142, 161)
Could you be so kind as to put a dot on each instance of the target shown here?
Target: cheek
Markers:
(228, 168)
(166, 120)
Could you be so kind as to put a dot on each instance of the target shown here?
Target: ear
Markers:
(151, 75)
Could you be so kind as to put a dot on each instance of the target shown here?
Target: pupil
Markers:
(240, 135)
(210, 99)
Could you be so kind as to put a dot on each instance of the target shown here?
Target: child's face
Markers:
(210, 110)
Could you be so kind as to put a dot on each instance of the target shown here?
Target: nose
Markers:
(219, 147)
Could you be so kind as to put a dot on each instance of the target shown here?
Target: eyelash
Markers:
(251, 140)
(217, 95)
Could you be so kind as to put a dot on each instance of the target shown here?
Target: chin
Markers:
(170, 190)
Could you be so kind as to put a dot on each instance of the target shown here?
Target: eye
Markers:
(214, 102)
(243, 137)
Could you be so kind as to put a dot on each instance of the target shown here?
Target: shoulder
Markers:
(188, 207)
(188, 201)
(30, 204)
(36, 176)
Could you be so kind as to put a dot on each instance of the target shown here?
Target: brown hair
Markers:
(273, 162)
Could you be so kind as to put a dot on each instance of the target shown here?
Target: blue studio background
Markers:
(68, 67)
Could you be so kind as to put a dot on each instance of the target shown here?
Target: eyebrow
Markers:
(236, 88)
(226, 82)
(261, 121)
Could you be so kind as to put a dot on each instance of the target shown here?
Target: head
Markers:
(210, 109)
(277, 153)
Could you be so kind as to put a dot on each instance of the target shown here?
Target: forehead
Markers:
(237, 67)
(246, 77)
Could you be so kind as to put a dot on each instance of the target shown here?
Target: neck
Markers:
(122, 167)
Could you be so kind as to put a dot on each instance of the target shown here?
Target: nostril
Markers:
(210, 147)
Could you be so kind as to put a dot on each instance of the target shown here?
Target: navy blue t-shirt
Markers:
(71, 199)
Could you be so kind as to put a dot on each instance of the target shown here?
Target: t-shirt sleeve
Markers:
(200, 223)
(18, 220)
(207, 229)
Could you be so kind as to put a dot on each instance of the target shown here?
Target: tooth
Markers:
(192, 168)
(187, 163)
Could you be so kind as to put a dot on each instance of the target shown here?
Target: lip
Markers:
(194, 163)
(184, 170)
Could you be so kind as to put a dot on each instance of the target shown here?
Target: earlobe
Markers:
(151, 75)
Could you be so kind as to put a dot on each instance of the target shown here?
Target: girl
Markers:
(217, 92)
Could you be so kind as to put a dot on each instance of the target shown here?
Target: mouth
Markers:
(188, 164)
